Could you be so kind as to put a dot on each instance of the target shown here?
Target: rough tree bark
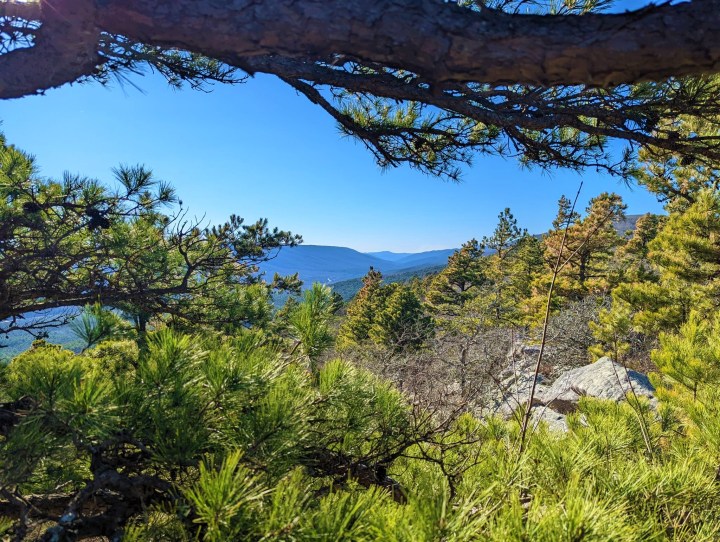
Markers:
(440, 41)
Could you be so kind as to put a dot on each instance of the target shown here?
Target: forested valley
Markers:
(441, 408)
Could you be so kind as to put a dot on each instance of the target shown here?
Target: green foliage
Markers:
(524, 264)
(506, 235)
(309, 322)
(612, 329)
(225, 499)
(116, 358)
(678, 178)
(683, 260)
(362, 310)
(401, 323)
(348, 289)
(691, 358)
(219, 418)
(46, 372)
(75, 241)
(274, 453)
(460, 281)
(585, 251)
(687, 247)
(631, 261)
(514, 263)
(389, 315)
(6, 525)
(96, 324)
(364, 415)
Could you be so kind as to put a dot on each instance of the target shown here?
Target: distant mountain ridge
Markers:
(342, 267)
(389, 256)
(627, 225)
(330, 265)
(424, 259)
(348, 288)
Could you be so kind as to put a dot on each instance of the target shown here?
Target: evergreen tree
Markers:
(462, 280)
(566, 216)
(362, 310)
(678, 178)
(511, 267)
(612, 330)
(631, 262)
(74, 242)
(668, 275)
(585, 250)
(309, 322)
(387, 315)
(691, 357)
(401, 323)
(685, 257)
(96, 324)
(524, 266)
(96, 452)
(208, 438)
(505, 236)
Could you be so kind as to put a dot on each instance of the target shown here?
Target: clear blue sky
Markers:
(259, 150)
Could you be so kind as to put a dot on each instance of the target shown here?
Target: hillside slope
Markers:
(348, 288)
(330, 265)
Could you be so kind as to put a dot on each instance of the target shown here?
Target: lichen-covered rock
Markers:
(603, 379)
(554, 420)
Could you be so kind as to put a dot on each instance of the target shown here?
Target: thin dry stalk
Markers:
(556, 270)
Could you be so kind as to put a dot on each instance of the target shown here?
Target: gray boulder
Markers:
(603, 379)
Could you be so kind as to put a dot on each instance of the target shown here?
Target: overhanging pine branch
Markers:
(440, 41)
(488, 110)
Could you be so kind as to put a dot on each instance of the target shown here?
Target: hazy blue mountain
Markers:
(426, 259)
(389, 256)
(18, 341)
(407, 266)
(324, 264)
(627, 225)
(340, 267)
(330, 265)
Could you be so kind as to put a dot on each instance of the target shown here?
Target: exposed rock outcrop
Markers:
(603, 379)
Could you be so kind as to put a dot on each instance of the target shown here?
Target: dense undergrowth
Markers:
(188, 437)
(197, 411)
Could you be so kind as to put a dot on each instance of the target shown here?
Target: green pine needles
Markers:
(201, 412)
(221, 439)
